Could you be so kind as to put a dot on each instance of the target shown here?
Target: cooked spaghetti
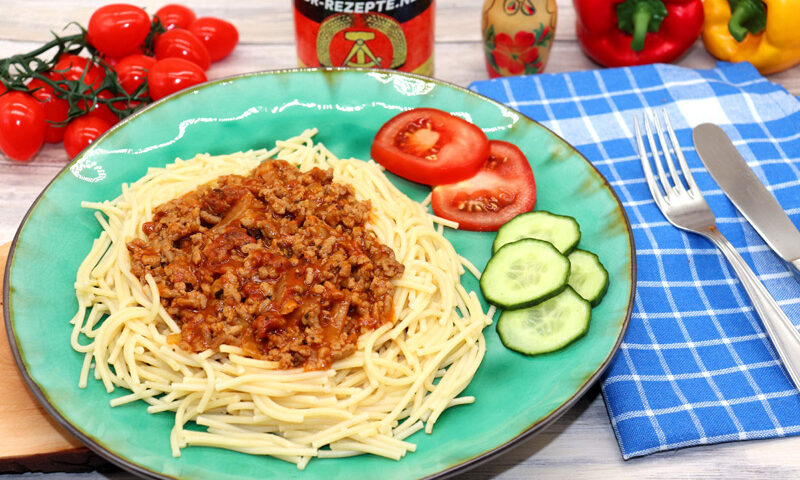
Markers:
(400, 378)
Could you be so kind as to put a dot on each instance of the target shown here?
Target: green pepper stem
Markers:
(641, 19)
(744, 12)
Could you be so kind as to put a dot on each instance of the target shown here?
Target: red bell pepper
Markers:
(617, 33)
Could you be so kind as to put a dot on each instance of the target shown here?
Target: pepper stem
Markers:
(638, 17)
(641, 19)
(748, 16)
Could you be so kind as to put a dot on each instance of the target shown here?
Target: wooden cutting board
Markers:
(32, 439)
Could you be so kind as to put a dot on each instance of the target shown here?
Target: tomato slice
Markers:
(502, 189)
(430, 146)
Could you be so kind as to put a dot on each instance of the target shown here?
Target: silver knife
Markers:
(750, 196)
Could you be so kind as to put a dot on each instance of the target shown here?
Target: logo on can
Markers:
(394, 34)
(368, 40)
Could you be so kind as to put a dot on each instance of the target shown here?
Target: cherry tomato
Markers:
(22, 125)
(101, 109)
(180, 43)
(219, 36)
(175, 16)
(502, 189)
(72, 67)
(55, 109)
(118, 29)
(83, 131)
(430, 146)
(132, 71)
(172, 74)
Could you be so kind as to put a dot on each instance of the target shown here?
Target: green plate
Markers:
(516, 395)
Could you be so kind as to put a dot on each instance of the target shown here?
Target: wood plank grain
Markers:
(38, 442)
(19, 186)
(581, 446)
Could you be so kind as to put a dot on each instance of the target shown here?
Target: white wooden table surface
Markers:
(581, 444)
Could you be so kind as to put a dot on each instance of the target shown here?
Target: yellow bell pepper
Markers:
(765, 33)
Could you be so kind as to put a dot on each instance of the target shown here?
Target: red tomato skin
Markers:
(110, 61)
(506, 177)
(81, 132)
(172, 74)
(132, 71)
(22, 125)
(175, 16)
(101, 110)
(180, 43)
(466, 148)
(219, 37)
(55, 109)
(118, 29)
(71, 67)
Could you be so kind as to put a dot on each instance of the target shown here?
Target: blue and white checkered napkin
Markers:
(695, 366)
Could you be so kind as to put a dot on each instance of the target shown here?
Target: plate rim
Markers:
(467, 464)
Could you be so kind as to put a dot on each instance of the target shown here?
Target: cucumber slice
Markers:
(562, 231)
(524, 273)
(546, 327)
(587, 276)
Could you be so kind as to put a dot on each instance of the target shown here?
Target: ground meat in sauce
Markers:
(278, 262)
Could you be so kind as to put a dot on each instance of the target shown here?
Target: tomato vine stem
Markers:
(17, 71)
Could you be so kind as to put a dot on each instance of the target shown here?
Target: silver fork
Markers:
(685, 207)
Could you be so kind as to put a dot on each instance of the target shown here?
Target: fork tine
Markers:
(667, 156)
(657, 158)
(648, 172)
(687, 172)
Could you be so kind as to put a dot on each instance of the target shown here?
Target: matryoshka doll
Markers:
(517, 35)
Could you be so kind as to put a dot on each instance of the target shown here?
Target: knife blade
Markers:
(748, 194)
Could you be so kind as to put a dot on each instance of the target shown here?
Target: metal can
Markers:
(394, 34)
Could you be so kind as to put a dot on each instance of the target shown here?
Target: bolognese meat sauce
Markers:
(278, 262)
